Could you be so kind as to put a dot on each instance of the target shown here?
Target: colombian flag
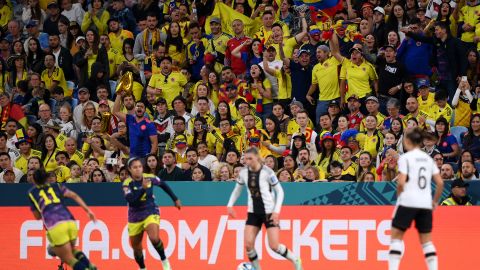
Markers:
(227, 15)
(327, 6)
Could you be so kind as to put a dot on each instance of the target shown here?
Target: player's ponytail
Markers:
(40, 177)
(416, 136)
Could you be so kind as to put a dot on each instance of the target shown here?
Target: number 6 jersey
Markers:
(419, 168)
(48, 200)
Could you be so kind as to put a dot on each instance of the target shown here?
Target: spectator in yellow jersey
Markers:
(175, 44)
(53, 76)
(441, 108)
(168, 83)
(461, 102)
(357, 74)
(373, 137)
(25, 148)
(425, 98)
(217, 43)
(96, 18)
(373, 106)
(421, 117)
(117, 34)
(6, 13)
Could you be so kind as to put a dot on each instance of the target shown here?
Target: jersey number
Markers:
(53, 197)
(422, 179)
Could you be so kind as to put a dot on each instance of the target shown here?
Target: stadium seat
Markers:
(458, 132)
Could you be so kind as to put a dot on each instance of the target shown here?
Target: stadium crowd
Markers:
(85, 86)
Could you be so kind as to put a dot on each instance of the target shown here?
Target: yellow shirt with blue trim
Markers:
(171, 85)
(117, 41)
(50, 163)
(288, 47)
(420, 113)
(62, 173)
(58, 77)
(60, 140)
(326, 76)
(294, 127)
(22, 162)
(380, 118)
(470, 15)
(437, 112)
(78, 157)
(373, 143)
(358, 78)
(426, 105)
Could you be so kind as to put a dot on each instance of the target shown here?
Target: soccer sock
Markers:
(161, 251)
(80, 256)
(78, 265)
(430, 256)
(139, 258)
(395, 254)
(253, 257)
(283, 251)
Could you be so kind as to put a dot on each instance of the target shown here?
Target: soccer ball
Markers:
(245, 266)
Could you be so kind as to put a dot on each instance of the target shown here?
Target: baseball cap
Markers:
(423, 83)
(215, 20)
(52, 4)
(459, 183)
(31, 23)
(83, 89)
(324, 48)
(352, 97)
(389, 46)
(380, 10)
(355, 49)
(373, 98)
(79, 38)
(103, 102)
(303, 51)
(334, 103)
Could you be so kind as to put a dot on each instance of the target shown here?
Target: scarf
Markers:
(5, 115)
(155, 37)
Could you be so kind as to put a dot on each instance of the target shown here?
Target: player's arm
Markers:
(233, 198)
(74, 196)
(401, 180)
(438, 191)
(163, 185)
(36, 214)
(279, 196)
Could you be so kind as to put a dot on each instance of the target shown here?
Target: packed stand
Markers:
(189, 86)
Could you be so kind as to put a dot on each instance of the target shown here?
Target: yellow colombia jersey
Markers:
(241, 126)
(112, 56)
(293, 126)
(325, 75)
(209, 139)
(77, 157)
(462, 113)
(282, 141)
(50, 163)
(58, 77)
(426, 105)
(380, 118)
(217, 45)
(256, 93)
(284, 84)
(60, 140)
(22, 161)
(323, 162)
(62, 173)
(238, 141)
(373, 143)
(352, 169)
(288, 47)
(117, 41)
(470, 15)
(358, 78)
(5, 15)
(437, 112)
(420, 113)
(171, 85)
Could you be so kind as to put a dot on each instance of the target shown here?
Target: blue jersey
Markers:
(141, 202)
(139, 134)
(48, 200)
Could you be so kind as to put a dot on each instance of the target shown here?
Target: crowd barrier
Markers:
(331, 225)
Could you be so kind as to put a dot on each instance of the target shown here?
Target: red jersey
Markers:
(238, 66)
(354, 119)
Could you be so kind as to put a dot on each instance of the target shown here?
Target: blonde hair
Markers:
(219, 169)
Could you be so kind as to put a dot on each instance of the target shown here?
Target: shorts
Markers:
(258, 219)
(62, 233)
(405, 215)
(136, 228)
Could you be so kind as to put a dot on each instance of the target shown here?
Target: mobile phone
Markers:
(111, 161)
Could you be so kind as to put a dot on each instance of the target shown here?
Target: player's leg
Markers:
(423, 223)
(250, 234)
(273, 233)
(136, 243)
(402, 220)
(64, 252)
(152, 230)
(80, 256)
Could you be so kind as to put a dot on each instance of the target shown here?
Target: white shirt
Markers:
(419, 168)
(276, 65)
(210, 162)
(18, 175)
(266, 180)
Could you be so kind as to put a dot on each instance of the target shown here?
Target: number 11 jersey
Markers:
(419, 168)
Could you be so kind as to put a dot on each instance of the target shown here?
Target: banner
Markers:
(227, 15)
(202, 238)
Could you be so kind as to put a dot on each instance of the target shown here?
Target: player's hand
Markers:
(92, 216)
(275, 219)
(310, 99)
(231, 212)
(178, 204)
(434, 205)
(146, 183)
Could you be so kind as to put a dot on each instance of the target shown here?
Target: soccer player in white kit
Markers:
(416, 170)
(265, 198)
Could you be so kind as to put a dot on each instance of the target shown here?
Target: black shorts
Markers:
(258, 219)
(405, 215)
